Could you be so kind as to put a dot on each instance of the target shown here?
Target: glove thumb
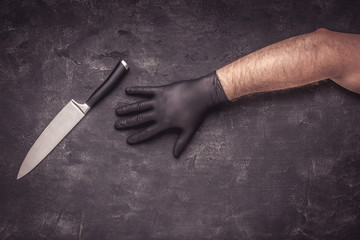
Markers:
(182, 141)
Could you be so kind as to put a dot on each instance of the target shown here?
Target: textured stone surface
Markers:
(281, 165)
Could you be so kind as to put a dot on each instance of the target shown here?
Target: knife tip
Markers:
(20, 175)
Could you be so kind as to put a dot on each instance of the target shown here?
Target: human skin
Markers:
(296, 61)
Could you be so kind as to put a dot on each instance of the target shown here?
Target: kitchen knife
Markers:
(66, 119)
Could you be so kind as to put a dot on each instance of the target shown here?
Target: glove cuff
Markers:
(218, 95)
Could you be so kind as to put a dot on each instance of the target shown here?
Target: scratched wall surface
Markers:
(282, 165)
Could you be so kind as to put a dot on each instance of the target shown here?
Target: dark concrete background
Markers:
(282, 165)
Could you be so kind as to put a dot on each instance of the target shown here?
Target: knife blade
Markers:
(66, 120)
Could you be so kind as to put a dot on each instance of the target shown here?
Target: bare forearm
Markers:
(294, 62)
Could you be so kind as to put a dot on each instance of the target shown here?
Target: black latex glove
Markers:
(181, 105)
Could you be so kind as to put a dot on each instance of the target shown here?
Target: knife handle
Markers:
(111, 81)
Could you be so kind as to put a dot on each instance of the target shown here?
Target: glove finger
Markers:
(135, 120)
(182, 141)
(142, 136)
(134, 107)
(147, 91)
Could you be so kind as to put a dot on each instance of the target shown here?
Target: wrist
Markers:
(214, 89)
(224, 77)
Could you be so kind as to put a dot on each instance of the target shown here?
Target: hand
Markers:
(182, 105)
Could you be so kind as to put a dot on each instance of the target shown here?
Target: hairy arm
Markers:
(294, 62)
